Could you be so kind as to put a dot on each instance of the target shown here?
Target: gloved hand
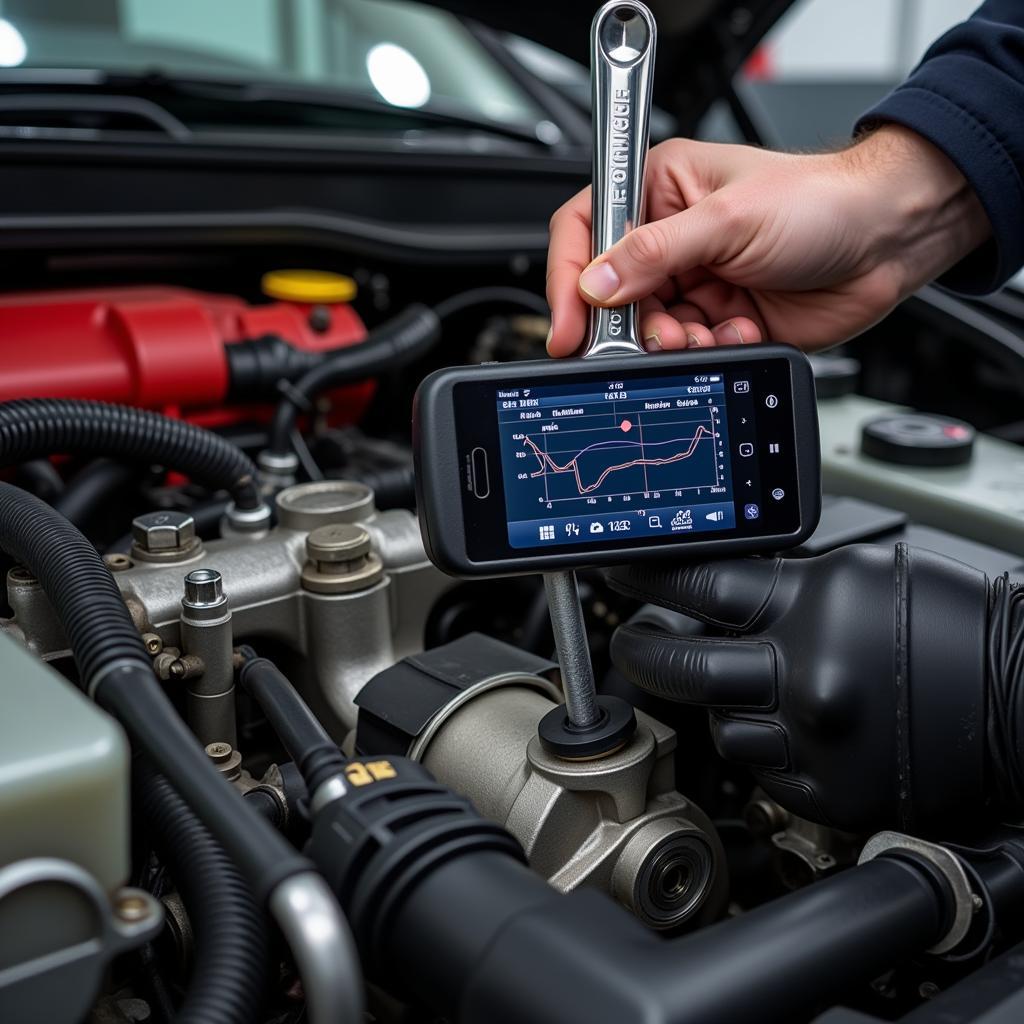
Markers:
(858, 688)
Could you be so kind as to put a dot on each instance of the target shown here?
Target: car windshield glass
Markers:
(406, 55)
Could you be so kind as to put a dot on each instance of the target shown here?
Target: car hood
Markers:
(701, 43)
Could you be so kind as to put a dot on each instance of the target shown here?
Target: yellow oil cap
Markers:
(308, 286)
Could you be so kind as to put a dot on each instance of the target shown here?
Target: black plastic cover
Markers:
(396, 705)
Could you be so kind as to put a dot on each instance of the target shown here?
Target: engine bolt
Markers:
(341, 560)
(163, 531)
(204, 587)
(227, 760)
(132, 907)
(188, 666)
(154, 645)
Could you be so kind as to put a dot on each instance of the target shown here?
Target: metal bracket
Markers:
(965, 902)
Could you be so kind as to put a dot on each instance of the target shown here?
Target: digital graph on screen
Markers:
(568, 456)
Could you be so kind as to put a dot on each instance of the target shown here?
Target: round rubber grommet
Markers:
(918, 439)
(560, 737)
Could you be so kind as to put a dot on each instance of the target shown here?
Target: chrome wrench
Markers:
(622, 42)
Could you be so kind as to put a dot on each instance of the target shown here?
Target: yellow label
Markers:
(361, 773)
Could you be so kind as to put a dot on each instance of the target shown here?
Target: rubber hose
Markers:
(114, 668)
(231, 963)
(387, 348)
(90, 487)
(34, 427)
(314, 753)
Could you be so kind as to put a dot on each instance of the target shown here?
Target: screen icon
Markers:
(778, 494)
(741, 387)
(572, 529)
(771, 401)
(547, 533)
(746, 449)
(773, 449)
(684, 517)
(654, 522)
(751, 511)
(715, 517)
(596, 528)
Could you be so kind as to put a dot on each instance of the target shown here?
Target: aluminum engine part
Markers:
(339, 640)
(616, 822)
(64, 911)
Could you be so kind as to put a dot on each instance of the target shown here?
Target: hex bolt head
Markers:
(204, 586)
(163, 531)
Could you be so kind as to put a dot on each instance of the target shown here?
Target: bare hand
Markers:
(744, 244)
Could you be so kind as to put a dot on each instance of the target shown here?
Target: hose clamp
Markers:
(327, 792)
(948, 864)
(117, 665)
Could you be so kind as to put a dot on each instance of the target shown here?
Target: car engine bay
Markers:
(262, 762)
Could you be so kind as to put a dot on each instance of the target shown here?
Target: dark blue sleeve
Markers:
(967, 97)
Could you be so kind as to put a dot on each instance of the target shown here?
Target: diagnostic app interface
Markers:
(583, 463)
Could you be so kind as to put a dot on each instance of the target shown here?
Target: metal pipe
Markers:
(573, 649)
(324, 950)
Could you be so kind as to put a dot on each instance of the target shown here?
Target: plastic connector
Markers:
(393, 825)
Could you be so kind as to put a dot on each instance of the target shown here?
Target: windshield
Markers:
(405, 54)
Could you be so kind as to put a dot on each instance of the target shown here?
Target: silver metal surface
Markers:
(327, 792)
(622, 39)
(951, 868)
(322, 945)
(59, 931)
(205, 631)
(307, 506)
(163, 531)
(582, 822)
(332, 643)
(573, 649)
(341, 559)
(247, 520)
(204, 587)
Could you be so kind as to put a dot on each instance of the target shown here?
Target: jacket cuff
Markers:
(982, 158)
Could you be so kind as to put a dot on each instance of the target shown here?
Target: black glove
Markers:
(859, 689)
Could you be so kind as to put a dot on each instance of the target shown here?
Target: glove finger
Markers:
(696, 670)
(730, 594)
(759, 744)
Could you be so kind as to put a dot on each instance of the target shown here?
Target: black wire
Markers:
(1006, 689)
(497, 295)
(305, 456)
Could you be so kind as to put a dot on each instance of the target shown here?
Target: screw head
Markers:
(163, 531)
(204, 586)
(132, 907)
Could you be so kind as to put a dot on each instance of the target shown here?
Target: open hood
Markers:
(701, 43)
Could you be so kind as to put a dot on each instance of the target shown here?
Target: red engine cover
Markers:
(155, 347)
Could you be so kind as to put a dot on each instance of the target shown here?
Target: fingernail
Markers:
(692, 341)
(736, 331)
(600, 281)
(547, 340)
(652, 342)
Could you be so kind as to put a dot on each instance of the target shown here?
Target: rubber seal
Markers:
(560, 737)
